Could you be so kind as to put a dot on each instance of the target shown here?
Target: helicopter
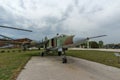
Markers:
(9, 39)
(60, 43)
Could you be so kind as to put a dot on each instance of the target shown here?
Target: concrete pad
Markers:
(97, 49)
(52, 68)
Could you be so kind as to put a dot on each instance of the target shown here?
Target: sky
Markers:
(82, 18)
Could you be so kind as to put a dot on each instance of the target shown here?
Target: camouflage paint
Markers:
(60, 41)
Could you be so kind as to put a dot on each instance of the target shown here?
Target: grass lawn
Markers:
(12, 62)
(107, 58)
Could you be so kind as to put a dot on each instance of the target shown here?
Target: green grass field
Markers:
(12, 61)
(107, 58)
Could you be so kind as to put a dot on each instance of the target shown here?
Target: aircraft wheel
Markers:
(42, 54)
(64, 60)
(59, 53)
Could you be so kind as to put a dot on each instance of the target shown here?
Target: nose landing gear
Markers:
(64, 59)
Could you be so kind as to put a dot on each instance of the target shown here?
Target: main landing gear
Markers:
(42, 54)
(59, 53)
(64, 59)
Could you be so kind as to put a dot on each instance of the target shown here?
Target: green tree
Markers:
(100, 44)
(94, 44)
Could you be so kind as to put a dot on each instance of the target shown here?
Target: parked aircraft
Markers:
(9, 39)
(60, 43)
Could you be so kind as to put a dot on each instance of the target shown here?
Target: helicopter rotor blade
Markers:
(6, 37)
(16, 28)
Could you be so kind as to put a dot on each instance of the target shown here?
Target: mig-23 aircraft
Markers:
(60, 43)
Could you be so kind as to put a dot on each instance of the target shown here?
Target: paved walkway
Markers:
(51, 68)
(110, 50)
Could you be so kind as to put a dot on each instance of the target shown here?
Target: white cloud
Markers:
(91, 17)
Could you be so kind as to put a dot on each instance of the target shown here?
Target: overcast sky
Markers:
(82, 18)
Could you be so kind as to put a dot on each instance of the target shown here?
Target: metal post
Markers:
(118, 57)
(88, 44)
